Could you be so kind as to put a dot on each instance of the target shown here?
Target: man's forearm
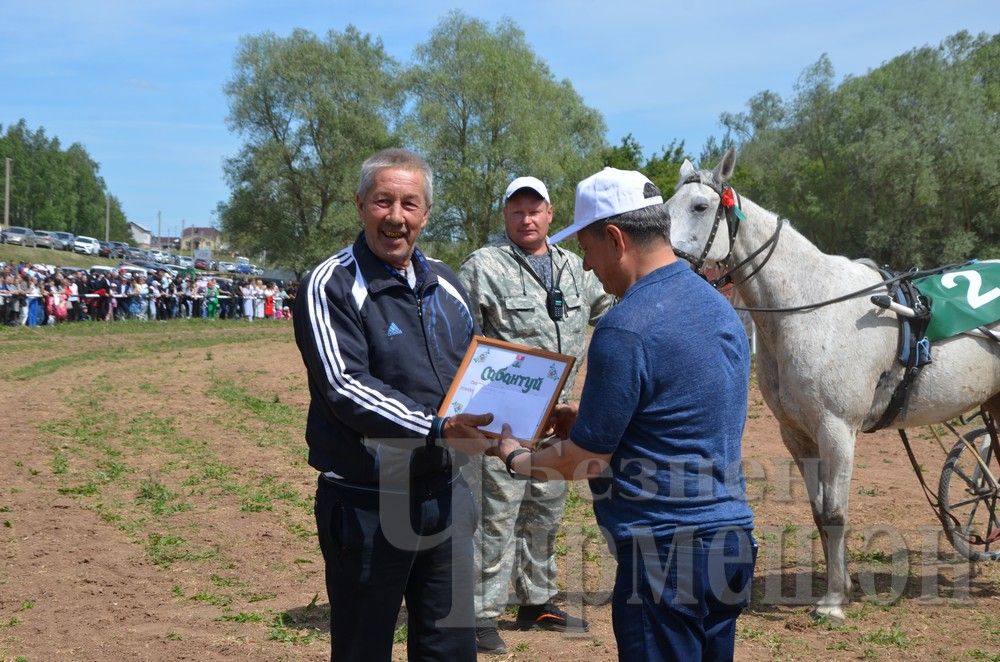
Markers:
(561, 460)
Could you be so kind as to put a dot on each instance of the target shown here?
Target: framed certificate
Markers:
(518, 384)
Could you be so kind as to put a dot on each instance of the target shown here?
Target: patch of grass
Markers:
(281, 631)
(89, 488)
(260, 496)
(26, 605)
(164, 550)
(177, 591)
(749, 633)
(520, 647)
(59, 463)
(173, 636)
(838, 646)
(977, 654)
(242, 617)
(156, 343)
(991, 623)
(10, 622)
(167, 549)
(874, 556)
(869, 491)
(212, 599)
(400, 635)
(161, 501)
(47, 366)
(259, 597)
(109, 471)
(887, 637)
(305, 532)
(272, 412)
(226, 582)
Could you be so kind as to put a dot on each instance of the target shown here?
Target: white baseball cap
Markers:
(533, 183)
(608, 193)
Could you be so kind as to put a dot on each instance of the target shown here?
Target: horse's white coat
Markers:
(828, 373)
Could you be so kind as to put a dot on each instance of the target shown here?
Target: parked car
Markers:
(133, 253)
(87, 245)
(120, 247)
(132, 270)
(43, 239)
(185, 261)
(99, 269)
(18, 235)
(227, 267)
(202, 264)
(106, 248)
(63, 241)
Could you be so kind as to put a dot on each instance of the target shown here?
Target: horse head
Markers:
(700, 229)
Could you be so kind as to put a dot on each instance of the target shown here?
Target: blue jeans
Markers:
(383, 547)
(678, 599)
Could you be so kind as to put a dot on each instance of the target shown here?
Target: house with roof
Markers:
(140, 235)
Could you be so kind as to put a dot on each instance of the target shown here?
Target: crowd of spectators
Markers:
(33, 295)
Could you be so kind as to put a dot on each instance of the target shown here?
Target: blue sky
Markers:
(139, 84)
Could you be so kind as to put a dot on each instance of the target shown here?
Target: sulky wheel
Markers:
(970, 494)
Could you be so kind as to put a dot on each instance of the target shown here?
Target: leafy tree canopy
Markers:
(57, 189)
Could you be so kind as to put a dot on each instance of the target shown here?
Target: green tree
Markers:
(56, 189)
(310, 111)
(901, 164)
(486, 110)
(626, 156)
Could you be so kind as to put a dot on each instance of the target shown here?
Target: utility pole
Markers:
(107, 217)
(159, 234)
(6, 196)
(182, 234)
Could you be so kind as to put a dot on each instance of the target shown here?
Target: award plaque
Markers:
(518, 384)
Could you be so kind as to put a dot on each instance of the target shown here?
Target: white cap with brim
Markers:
(605, 194)
(532, 183)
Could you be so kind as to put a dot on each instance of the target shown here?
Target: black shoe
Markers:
(488, 640)
(548, 617)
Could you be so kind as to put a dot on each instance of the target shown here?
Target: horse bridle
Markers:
(733, 214)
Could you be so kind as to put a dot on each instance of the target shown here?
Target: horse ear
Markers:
(686, 171)
(724, 170)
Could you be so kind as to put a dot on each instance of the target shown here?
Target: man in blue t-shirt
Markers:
(658, 431)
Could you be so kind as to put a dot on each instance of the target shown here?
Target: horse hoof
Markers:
(832, 613)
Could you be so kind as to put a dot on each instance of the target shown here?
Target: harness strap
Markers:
(912, 348)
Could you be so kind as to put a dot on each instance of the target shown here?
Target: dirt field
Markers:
(155, 504)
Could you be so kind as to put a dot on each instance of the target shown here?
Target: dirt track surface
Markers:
(155, 504)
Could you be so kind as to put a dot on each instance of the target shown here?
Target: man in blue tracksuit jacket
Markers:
(382, 330)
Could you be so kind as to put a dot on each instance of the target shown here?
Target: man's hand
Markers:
(561, 420)
(461, 433)
(506, 444)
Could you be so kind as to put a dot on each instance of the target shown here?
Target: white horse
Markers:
(828, 373)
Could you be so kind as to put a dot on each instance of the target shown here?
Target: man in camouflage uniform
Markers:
(523, 290)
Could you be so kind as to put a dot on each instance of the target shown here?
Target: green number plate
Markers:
(963, 299)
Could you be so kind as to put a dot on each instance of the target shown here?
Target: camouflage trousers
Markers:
(515, 540)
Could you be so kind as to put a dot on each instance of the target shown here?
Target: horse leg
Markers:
(836, 453)
(806, 455)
